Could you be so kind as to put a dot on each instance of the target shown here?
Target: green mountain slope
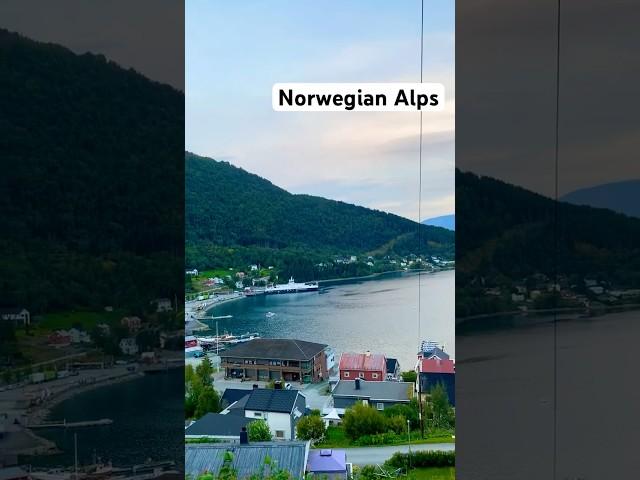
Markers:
(507, 235)
(90, 194)
(229, 208)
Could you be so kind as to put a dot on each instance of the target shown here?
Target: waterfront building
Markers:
(269, 359)
(224, 428)
(366, 366)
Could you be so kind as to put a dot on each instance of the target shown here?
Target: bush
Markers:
(259, 431)
(409, 412)
(310, 428)
(387, 438)
(397, 424)
(409, 376)
(361, 420)
(426, 458)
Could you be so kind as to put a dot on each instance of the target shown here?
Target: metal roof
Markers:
(363, 361)
(434, 365)
(247, 459)
(397, 391)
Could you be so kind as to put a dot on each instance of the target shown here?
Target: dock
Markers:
(64, 424)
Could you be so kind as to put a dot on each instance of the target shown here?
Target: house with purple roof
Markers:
(328, 463)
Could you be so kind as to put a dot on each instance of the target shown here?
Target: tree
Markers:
(208, 401)
(259, 431)
(361, 420)
(310, 428)
(409, 376)
(409, 412)
(440, 407)
(204, 370)
(397, 424)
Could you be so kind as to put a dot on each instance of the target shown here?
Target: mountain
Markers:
(621, 197)
(234, 216)
(510, 236)
(444, 221)
(90, 194)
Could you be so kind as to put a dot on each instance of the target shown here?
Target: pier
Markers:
(64, 424)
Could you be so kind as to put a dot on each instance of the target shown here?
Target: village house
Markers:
(432, 371)
(128, 346)
(268, 359)
(192, 272)
(79, 336)
(379, 395)
(223, 428)
(163, 305)
(367, 366)
(132, 323)
(393, 369)
(59, 339)
(20, 317)
(328, 464)
(281, 409)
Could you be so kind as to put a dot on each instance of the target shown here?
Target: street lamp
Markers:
(409, 438)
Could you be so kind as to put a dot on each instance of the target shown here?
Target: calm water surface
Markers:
(379, 315)
(148, 421)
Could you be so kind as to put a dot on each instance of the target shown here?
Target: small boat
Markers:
(270, 315)
(247, 337)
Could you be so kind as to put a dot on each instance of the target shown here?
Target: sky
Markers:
(236, 51)
(144, 35)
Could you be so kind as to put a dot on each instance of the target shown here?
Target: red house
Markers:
(368, 366)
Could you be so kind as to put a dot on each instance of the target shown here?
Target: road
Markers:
(377, 455)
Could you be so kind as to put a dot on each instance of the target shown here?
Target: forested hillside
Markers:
(90, 194)
(236, 216)
(506, 235)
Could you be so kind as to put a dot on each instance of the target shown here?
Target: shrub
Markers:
(361, 420)
(310, 428)
(397, 424)
(387, 438)
(425, 458)
(409, 376)
(259, 431)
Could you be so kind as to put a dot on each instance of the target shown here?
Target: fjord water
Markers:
(148, 421)
(380, 315)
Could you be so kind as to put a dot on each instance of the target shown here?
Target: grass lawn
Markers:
(336, 438)
(66, 320)
(432, 473)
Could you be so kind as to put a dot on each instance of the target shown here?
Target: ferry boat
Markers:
(292, 287)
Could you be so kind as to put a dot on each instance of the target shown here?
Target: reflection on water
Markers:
(506, 395)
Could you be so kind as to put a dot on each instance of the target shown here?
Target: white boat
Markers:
(292, 287)
(247, 337)
(270, 315)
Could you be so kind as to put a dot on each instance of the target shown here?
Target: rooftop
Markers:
(247, 459)
(215, 424)
(363, 361)
(398, 391)
(435, 365)
(286, 349)
(271, 400)
(327, 461)
(232, 395)
(392, 364)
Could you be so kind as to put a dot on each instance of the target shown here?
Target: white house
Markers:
(19, 316)
(193, 272)
(281, 409)
(128, 346)
(79, 336)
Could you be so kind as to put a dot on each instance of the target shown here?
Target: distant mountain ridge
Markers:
(444, 221)
(622, 197)
(229, 208)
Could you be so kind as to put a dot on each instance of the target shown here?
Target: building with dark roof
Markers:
(225, 428)
(247, 459)
(232, 395)
(432, 371)
(393, 369)
(366, 366)
(379, 395)
(281, 409)
(268, 359)
(18, 316)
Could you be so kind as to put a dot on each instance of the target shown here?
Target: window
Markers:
(279, 433)
(375, 375)
(346, 374)
(361, 374)
(380, 406)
